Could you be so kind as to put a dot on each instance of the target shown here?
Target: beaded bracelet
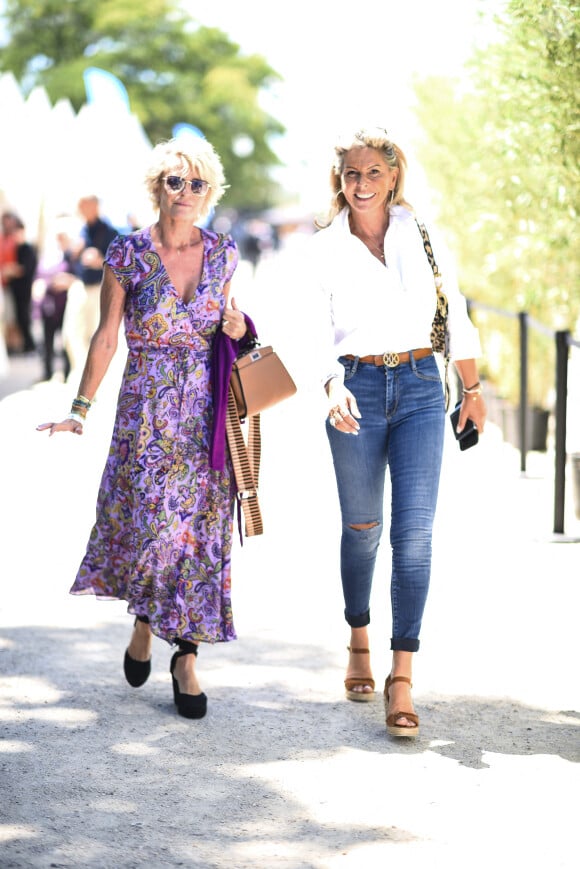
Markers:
(80, 409)
(81, 406)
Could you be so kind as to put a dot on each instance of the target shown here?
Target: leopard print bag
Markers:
(440, 326)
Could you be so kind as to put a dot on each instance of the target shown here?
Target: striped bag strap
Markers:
(246, 463)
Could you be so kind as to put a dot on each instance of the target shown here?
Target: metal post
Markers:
(562, 353)
(523, 319)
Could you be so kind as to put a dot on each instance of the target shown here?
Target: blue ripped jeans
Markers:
(402, 428)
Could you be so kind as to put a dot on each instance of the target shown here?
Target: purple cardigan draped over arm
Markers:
(225, 351)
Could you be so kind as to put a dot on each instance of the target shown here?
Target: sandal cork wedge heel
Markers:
(392, 727)
(352, 682)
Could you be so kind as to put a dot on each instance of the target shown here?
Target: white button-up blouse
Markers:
(370, 308)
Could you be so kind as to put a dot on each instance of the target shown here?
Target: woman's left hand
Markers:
(71, 425)
(233, 322)
(472, 407)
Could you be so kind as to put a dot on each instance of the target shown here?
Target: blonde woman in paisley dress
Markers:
(164, 520)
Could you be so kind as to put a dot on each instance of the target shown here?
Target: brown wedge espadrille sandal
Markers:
(392, 727)
(359, 681)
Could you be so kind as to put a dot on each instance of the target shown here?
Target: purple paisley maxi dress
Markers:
(164, 519)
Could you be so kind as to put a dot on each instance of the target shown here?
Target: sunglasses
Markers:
(175, 184)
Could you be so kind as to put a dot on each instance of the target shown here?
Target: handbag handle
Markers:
(442, 305)
(430, 255)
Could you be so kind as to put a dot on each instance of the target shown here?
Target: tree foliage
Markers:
(502, 149)
(174, 70)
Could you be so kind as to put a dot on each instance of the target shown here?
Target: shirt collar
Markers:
(341, 225)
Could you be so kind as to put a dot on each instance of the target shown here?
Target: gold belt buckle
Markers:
(391, 360)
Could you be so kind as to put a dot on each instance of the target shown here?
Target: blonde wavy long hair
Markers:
(371, 137)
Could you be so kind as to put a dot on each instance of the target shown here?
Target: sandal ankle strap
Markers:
(358, 651)
(186, 648)
(391, 679)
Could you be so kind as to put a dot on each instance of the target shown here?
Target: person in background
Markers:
(163, 532)
(9, 337)
(82, 314)
(385, 398)
(18, 274)
(55, 275)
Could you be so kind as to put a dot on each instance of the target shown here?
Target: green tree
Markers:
(174, 70)
(502, 149)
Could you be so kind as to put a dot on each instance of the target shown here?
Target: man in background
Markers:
(19, 262)
(82, 308)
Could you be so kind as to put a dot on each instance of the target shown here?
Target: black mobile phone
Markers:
(469, 436)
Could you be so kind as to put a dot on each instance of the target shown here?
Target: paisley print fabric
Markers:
(163, 531)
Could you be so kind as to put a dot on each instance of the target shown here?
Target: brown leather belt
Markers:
(391, 360)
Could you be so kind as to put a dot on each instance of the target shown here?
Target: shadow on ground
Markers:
(96, 767)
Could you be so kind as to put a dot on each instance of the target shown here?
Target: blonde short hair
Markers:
(183, 155)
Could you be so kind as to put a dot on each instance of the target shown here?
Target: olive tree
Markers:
(501, 147)
(174, 70)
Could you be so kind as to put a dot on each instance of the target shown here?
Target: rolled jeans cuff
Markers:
(360, 621)
(402, 644)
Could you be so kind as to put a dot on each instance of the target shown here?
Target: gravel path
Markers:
(283, 772)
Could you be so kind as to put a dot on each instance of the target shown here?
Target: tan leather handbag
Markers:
(260, 380)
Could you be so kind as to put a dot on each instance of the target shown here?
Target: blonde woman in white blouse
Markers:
(386, 398)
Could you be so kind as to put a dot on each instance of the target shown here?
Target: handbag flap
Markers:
(252, 356)
(260, 380)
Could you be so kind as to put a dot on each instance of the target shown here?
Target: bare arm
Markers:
(104, 342)
(473, 406)
(101, 349)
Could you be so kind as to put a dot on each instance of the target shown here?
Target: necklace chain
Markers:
(379, 248)
(366, 240)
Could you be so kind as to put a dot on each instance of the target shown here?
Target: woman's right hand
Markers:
(343, 409)
(71, 425)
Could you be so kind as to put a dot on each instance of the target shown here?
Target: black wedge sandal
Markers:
(188, 705)
(136, 672)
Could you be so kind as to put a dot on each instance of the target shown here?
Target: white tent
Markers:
(52, 156)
